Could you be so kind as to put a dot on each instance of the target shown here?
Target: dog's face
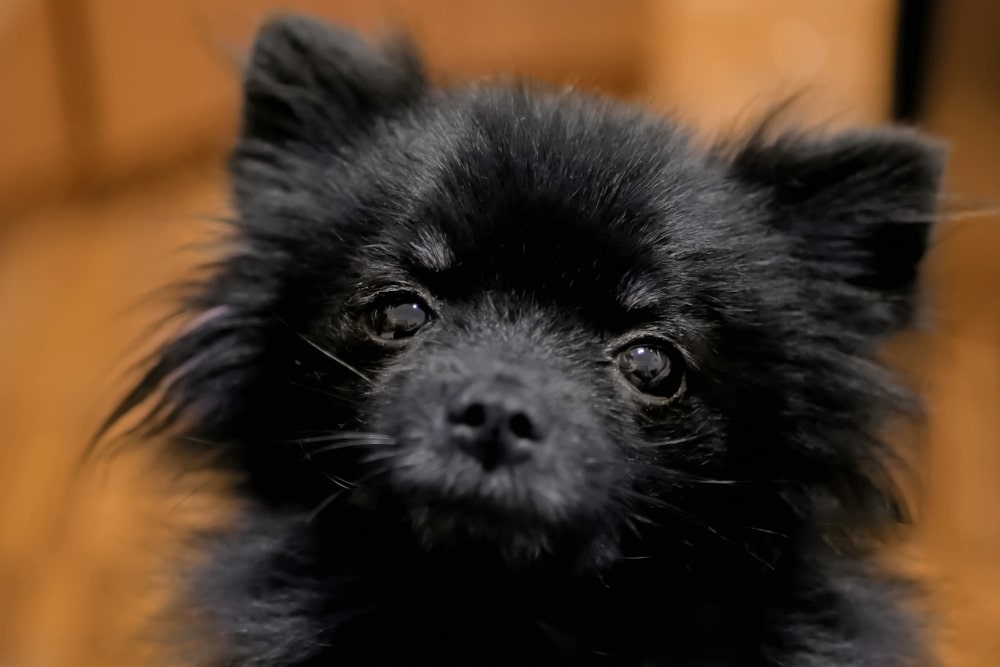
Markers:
(529, 340)
(537, 323)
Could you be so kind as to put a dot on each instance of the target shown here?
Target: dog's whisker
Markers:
(341, 435)
(355, 485)
(329, 500)
(200, 441)
(330, 355)
(631, 521)
(767, 531)
(687, 440)
(339, 446)
(341, 399)
(688, 478)
(350, 445)
(340, 481)
(326, 353)
(695, 521)
(383, 456)
(336, 479)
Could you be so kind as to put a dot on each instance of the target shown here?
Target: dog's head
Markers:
(531, 320)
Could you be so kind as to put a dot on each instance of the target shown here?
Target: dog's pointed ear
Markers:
(320, 86)
(858, 207)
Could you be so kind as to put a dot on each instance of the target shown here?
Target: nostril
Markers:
(474, 415)
(521, 426)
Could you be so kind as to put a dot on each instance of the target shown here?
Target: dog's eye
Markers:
(654, 369)
(399, 318)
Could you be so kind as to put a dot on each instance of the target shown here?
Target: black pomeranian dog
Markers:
(516, 376)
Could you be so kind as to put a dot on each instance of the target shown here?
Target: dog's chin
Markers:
(440, 526)
(516, 541)
(518, 546)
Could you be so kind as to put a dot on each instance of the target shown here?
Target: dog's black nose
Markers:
(497, 423)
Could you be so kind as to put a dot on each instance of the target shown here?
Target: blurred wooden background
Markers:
(114, 115)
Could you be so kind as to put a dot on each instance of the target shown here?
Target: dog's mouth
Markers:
(447, 501)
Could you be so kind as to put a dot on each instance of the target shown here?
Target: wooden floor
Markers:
(76, 575)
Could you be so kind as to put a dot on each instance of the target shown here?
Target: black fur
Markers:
(730, 526)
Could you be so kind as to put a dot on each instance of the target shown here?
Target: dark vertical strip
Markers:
(77, 77)
(913, 46)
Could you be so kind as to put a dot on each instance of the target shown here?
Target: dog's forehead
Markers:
(549, 198)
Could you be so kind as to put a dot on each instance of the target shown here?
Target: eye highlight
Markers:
(655, 368)
(398, 317)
